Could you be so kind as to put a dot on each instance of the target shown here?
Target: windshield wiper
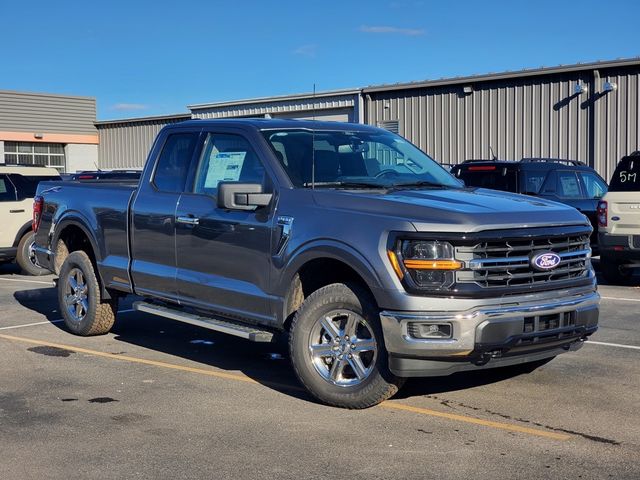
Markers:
(420, 183)
(345, 185)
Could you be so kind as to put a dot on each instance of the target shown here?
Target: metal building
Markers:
(126, 143)
(588, 112)
(337, 105)
(48, 130)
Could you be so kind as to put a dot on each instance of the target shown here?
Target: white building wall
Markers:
(81, 157)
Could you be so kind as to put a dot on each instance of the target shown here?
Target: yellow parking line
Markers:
(477, 421)
(243, 378)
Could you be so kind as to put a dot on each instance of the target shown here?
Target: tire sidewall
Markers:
(320, 303)
(81, 261)
(23, 259)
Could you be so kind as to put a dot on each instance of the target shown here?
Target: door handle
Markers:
(188, 220)
(16, 211)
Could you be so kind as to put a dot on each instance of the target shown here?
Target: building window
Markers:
(37, 154)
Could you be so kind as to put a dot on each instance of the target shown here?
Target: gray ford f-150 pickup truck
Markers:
(376, 261)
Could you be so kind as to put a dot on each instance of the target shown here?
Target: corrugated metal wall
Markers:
(535, 116)
(33, 112)
(323, 106)
(126, 144)
(617, 118)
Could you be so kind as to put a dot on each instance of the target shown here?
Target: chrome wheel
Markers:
(76, 295)
(32, 255)
(343, 348)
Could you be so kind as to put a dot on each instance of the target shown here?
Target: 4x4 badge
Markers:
(545, 261)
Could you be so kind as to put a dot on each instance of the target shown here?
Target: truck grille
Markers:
(507, 263)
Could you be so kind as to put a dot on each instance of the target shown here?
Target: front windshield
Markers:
(354, 159)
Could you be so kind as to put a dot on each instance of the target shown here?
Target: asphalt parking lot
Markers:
(161, 399)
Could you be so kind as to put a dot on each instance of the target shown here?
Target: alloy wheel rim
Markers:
(76, 297)
(343, 348)
(32, 254)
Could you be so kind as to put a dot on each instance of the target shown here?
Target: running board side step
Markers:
(248, 332)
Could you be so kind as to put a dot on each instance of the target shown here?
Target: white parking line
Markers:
(623, 299)
(51, 284)
(51, 321)
(606, 344)
(31, 324)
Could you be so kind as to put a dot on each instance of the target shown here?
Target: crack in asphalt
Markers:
(453, 404)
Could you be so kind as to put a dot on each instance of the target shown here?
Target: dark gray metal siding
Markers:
(125, 144)
(33, 112)
(528, 116)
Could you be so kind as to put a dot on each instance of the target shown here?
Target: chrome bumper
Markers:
(478, 330)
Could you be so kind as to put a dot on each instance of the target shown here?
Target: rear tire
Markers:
(614, 272)
(85, 312)
(337, 348)
(26, 257)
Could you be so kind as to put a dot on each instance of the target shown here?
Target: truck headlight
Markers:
(426, 263)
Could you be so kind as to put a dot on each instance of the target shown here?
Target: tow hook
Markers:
(486, 356)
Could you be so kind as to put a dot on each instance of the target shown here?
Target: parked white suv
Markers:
(619, 222)
(17, 188)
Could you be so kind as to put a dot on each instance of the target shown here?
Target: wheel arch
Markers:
(75, 234)
(23, 230)
(321, 264)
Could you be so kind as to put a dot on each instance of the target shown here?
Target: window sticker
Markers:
(3, 187)
(224, 167)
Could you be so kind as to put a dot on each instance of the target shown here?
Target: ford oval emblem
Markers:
(545, 261)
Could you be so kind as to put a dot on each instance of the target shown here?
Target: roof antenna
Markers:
(493, 155)
(313, 138)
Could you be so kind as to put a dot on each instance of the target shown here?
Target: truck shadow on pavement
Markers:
(146, 336)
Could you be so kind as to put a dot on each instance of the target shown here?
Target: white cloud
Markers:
(306, 50)
(129, 106)
(386, 29)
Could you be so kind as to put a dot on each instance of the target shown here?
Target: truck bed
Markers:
(104, 208)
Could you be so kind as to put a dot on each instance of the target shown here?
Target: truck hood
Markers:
(468, 209)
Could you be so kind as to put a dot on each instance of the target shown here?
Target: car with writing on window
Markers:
(619, 222)
(566, 181)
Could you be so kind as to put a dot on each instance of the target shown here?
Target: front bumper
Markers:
(490, 336)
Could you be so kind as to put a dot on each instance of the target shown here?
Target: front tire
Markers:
(26, 257)
(85, 312)
(337, 348)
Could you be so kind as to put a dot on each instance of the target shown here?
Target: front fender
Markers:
(334, 250)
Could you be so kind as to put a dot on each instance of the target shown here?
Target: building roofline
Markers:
(144, 119)
(53, 95)
(278, 98)
(527, 72)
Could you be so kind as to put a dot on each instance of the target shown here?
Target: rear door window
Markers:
(568, 185)
(174, 162)
(626, 178)
(7, 192)
(27, 185)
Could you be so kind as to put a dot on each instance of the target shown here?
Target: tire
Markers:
(83, 310)
(339, 373)
(26, 258)
(614, 272)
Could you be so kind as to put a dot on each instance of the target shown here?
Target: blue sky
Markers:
(140, 57)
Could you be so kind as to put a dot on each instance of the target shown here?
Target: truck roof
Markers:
(276, 123)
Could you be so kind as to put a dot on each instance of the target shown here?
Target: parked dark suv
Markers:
(566, 181)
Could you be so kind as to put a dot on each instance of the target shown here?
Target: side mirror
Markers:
(242, 196)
